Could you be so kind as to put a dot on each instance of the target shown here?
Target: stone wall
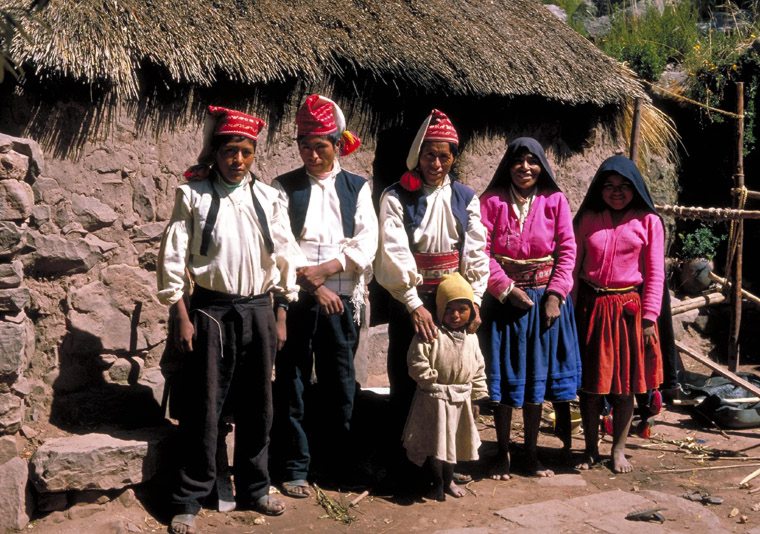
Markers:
(81, 331)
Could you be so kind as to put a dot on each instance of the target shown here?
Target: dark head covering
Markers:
(502, 178)
(625, 168)
(593, 201)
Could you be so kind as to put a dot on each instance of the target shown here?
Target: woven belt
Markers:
(610, 290)
(532, 272)
(432, 266)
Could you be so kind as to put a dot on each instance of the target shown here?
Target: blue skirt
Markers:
(526, 363)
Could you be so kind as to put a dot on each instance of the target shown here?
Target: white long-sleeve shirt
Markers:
(237, 260)
(395, 267)
(322, 238)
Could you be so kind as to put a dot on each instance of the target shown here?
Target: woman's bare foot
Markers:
(590, 459)
(620, 463)
(455, 491)
(501, 469)
(537, 469)
(437, 493)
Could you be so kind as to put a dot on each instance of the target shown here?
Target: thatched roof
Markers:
(456, 48)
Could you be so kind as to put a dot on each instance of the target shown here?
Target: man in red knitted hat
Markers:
(229, 242)
(334, 222)
(430, 227)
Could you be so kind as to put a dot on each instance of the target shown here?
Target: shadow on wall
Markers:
(83, 398)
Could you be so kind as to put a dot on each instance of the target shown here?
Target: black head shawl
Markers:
(502, 178)
(593, 201)
(625, 168)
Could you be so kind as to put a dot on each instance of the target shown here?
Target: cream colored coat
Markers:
(450, 373)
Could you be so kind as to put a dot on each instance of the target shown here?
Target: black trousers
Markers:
(325, 344)
(229, 371)
(400, 335)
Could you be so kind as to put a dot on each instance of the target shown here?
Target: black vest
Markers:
(414, 205)
(298, 188)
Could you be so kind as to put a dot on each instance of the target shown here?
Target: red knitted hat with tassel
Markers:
(232, 122)
(321, 116)
(436, 127)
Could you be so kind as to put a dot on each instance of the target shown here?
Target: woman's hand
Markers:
(282, 330)
(519, 299)
(650, 333)
(423, 323)
(329, 301)
(476, 322)
(551, 309)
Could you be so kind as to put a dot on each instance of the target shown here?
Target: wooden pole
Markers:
(736, 288)
(755, 195)
(635, 130)
(723, 282)
(697, 302)
(707, 362)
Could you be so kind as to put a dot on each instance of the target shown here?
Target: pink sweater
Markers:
(628, 254)
(548, 230)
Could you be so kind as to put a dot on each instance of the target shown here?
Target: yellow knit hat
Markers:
(452, 287)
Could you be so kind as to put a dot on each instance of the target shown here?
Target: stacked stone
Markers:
(78, 267)
(16, 329)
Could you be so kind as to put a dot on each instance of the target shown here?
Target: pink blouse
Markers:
(548, 231)
(628, 254)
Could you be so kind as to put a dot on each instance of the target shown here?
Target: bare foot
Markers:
(455, 491)
(590, 459)
(538, 470)
(183, 524)
(620, 463)
(501, 470)
(437, 493)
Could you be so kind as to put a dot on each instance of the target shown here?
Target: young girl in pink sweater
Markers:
(619, 279)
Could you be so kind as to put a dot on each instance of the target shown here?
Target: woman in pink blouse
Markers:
(528, 336)
(620, 279)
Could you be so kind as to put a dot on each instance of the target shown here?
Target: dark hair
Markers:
(333, 137)
(218, 140)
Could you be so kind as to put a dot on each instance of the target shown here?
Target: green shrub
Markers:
(699, 243)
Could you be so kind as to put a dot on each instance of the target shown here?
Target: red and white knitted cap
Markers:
(232, 122)
(436, 127)
(321, 116)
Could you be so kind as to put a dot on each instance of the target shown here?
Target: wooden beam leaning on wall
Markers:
(722, 371)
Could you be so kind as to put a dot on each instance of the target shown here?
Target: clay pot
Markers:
(694, 275)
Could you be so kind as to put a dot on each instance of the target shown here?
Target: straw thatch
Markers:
(456, 48)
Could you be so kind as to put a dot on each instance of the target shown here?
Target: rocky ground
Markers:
(672, 463)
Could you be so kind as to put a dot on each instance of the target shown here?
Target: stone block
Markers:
(16, 200)
(48, 191)
(40, 214)
(60, 256)
(14, 300)
(154, 379)
(13, 166)
(148, 232)
(11, 238)
(97, 461)
(11, 413)
(12, 349)
(28, 148)
(15, 498)
(11, 274)
(126, 370)
(8, 449)
(92, 213)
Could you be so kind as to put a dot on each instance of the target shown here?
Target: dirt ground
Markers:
(675, 445)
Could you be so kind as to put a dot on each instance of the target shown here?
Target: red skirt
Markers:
(615, 358)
